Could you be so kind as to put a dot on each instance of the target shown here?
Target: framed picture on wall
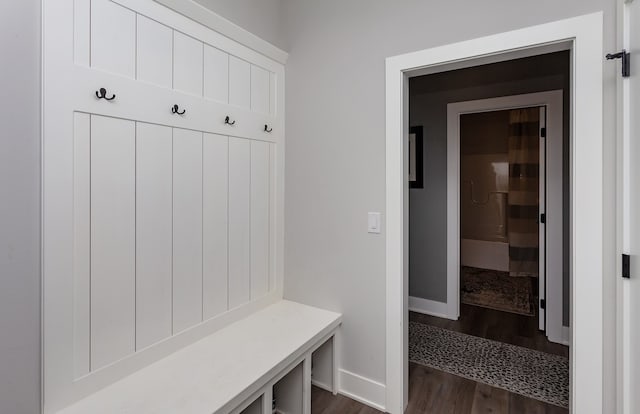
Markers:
(415, 157)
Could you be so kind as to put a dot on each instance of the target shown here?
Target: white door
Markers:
(631, 203)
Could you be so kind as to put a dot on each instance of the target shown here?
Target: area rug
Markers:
(523, 371)
(497, 290)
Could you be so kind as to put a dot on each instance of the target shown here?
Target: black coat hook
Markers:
(267, 129)
(227, 121)
(102, 94)
(175, 110)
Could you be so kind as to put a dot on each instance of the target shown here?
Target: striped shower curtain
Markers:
(523, 200)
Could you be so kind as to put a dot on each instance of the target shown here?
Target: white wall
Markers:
(336, 148)
(20, 207)
(260, 17)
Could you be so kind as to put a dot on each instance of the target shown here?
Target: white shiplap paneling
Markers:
(187, 64)
(260, 167)
(259, 90)
(154, 241)
(112, 240)
(215, 155)
(216, 74)
(239, 82)
(239, 221)
(154, 52)
(187, 229)
(81, 243)
(113, 38)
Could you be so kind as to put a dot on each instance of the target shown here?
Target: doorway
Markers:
(580, 35)
(501, 208)
(522, 239)
(495, 174)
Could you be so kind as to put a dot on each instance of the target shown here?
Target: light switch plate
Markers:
(374, 222)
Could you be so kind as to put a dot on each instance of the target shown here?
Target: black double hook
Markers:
(175, 110)
(227, 121)
(267, 129)
(102, 94)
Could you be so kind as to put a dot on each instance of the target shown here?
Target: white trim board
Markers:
(430, 307)
(361, 389)
(208, 18)
(552, 246)
(583, 35)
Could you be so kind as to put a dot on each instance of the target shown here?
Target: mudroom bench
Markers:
(270, 357)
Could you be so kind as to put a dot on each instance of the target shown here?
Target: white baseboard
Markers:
(559, 334)
(361, 389)
(566, 336)
(321, 385)
(430, 307)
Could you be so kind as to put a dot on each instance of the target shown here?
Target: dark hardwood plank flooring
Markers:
(505, 327)
(436, 392)
(323, 402)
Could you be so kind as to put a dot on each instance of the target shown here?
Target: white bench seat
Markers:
(219, 372)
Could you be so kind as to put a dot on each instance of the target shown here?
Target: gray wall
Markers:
(428, 99)
(260, 17)
(335, 152)
(20, 207)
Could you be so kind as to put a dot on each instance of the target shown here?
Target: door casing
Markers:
(583, 36)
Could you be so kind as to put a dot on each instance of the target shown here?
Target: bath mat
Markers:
(497, 290)
(523, 371)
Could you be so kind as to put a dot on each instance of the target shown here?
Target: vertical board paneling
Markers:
(81, 243)
(153, 233)
(239, 82)
(216, 74)
(113, 38)
(215, 155)
(259, 218)
(81, 32)
(239, 222)
(154, 56)
(187, 229)
(112, 240)
(272, 94)
(187, 64)
(259, 89)
(273, 216)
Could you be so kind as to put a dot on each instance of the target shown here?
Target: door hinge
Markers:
(626, 266)
(543, 132)
(543, 304)
(626, 61)
(543, 218)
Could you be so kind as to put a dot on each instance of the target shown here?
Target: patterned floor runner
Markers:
(523, 371)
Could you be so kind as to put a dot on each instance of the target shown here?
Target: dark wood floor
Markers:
(505, 327)
(436, 392)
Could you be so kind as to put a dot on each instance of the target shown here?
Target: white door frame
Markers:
(627, 374)
(550, 197)
(583, 35)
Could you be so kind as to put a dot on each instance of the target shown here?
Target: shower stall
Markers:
(500, 196)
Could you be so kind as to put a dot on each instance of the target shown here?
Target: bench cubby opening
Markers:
(323, 368)
(288, 392)
(256, 407)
